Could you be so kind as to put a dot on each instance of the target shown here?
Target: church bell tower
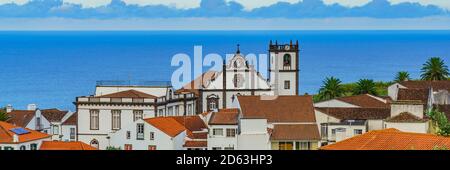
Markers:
(284, 68)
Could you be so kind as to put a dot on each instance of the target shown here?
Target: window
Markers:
(238, 80)
(302, 146)
(152, 135)
(115, 114)
(161, 112)
(285, 146)
(72, 133)
(213, 102)
(358, 131)
(23, 147)
(151, 147)
(138, 114)
(216, 148)
(218, 132)
(38, 123)
(287, 85)
(177, 110)
(128, 147)
(333, 132)
(55, 129)
(94, 143)
(287, 60)
(170, 111)
(189, 111)
(228, 148)
(128, 135)
(324, 130)
(33, 146)
(140, 131)
(94, 121)
(231, 132)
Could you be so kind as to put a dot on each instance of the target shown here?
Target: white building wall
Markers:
(375, 124)
(222, 141)
(415, 109)
(65, 131)
(409, 127)
(334, 103)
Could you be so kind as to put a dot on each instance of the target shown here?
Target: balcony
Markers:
(140, 136)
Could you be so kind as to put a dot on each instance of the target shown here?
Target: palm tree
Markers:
(3, 115)
(402, 76)
(331, 89)
(365, 86)
(435, 69)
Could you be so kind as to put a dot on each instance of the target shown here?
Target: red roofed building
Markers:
(162, 133)
(391, 139)
(18, 138)
(60, 145)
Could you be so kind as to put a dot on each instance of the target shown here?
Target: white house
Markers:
(275, 122)
(223, 130)
(14, 137)
(429, 92)
(31, 118)
(69, 128)
(116, 106)
(407, 116)
(162, 133)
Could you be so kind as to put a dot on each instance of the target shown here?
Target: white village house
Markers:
(14, 137)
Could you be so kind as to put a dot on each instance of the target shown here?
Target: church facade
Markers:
(219, 89)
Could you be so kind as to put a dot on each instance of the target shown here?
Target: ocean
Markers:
(51, 68)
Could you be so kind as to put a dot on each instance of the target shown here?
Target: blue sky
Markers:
(15, 14)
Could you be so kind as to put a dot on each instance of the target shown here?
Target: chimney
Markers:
(32, 107)
(15, 138)
(9, 108)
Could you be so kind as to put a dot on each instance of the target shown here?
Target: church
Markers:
(218, 89)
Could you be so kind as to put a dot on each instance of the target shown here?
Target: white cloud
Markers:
(20, 2)
(180, 4)
(251, 4)
(89, 3)
(348, 3)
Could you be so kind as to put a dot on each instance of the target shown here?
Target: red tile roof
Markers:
(280, 109)
(174, 125)
(201, 135)
(128, 94)
(195, 144)
(364, 100)
(391, 139)
(53, 115)
(59, 145)
(21, 117)
(357, 113)
(6, 135)
(72, 120)
(413, 94)
(225, 117)
(295, 132)
(436, 85)
(168, 125)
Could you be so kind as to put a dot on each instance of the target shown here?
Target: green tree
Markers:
(402, 76)
(3, 115)
(331, 89)
(435, 69)
(365, 86)
(112, 148)
(441, 121)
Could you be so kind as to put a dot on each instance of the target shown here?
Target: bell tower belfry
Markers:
(284, 68)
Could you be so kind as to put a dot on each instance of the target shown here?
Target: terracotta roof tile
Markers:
(6, 135)
(72, 120)
(192, 123)
(364, 100)
(391, 139)
(53, 115)
(280, 109)
(128, 94)
(295, 132)
(202, 135)
(195, 144)
(59, 145)
(436, 85)
(413, 94)
(357, 113)
(224, 117)
(405, 118)
(168, 125)
(21, 117)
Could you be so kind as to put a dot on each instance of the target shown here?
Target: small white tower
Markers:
(284, 68)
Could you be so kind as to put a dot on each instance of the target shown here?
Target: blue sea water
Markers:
(52, 68)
